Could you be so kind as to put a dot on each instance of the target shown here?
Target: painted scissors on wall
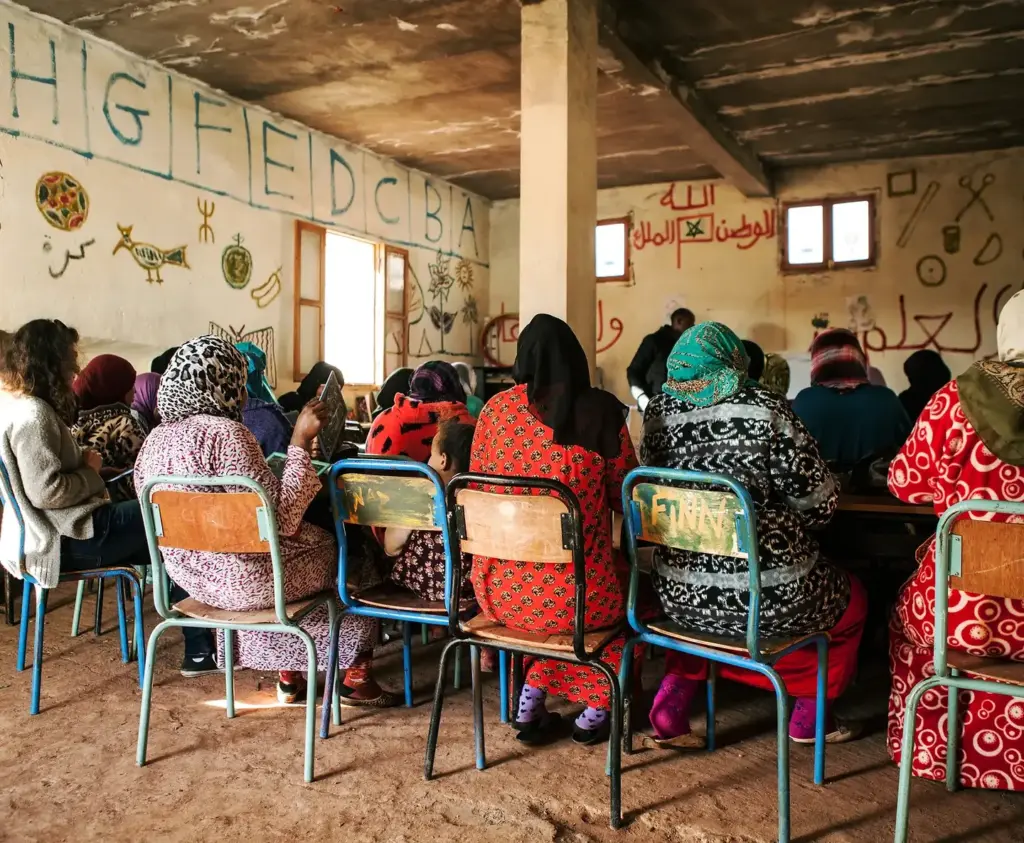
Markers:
(967, 183)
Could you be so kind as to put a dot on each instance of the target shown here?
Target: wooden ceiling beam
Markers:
(705, 135)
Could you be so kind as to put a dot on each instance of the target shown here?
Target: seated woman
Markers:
(467, 377)
(968, 443)
(159, 364)
(555, 424)
(144, 404)
(850, 418)
(293, 402)
(755, 354)
(420, 557)
(105, 390)
(926, 373)
(395, 384)
(408, 427)
(201, 434)
(710, 417)
(776, 374)
(262, 415)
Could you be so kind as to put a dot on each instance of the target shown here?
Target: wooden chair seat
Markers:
(769, 646)
(999, 670)
(481, 627)
(203, 612)
(391, 596)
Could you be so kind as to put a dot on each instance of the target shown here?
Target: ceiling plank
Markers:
(703, 133)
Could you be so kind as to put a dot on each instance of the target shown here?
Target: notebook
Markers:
(276, 462)
(330, 434)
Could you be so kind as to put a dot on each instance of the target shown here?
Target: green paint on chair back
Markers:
(689, 519)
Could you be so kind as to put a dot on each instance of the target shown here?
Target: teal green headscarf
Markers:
(708, 364)
(256, 381)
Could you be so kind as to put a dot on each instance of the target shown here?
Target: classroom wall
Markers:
(946, 263)
(213, 187)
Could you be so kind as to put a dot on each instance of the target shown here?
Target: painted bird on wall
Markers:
(151, 258)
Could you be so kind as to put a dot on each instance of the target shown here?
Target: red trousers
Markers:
(799, 670)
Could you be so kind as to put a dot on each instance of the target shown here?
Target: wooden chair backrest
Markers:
(388, 500)
(697, 520)
(991, 558)
(213, 522)
(517, 528)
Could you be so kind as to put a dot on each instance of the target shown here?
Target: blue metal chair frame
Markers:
(267, 524)
(393, 468)
(946, 565)
(572, 531)
(121, 573)
(755, 660)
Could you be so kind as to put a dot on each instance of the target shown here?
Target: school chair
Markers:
(523, 527)
(368, 492)
(980, 557)
(124, 573)
(178, 517)
(703, 519)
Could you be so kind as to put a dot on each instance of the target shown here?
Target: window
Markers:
(350, 305)
(612, 246)
(829, 234)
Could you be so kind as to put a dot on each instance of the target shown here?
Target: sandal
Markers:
(686, 742)
(839, 734)
(590, 737)
(542, 731)
(385, 699)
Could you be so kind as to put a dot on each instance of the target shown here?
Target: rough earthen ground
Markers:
(70, 774)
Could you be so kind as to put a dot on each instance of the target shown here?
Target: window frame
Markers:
(828, 264)
(627, 222)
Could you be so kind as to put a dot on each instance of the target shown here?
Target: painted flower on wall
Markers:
(470, 316)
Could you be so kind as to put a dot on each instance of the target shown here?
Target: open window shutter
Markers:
(396, 309)
(310, 242)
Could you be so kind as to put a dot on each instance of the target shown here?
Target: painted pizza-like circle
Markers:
(236, 264)
(62, 201)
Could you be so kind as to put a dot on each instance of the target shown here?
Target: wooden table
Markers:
(883, 505)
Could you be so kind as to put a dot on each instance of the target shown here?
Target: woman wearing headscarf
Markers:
(159, 364)
(467, 377)
(309, 388)
(711, 417)
(201, 434)
(395, 384)
(756, 356)
(968, 443)
(144, 404)
(105, 390)
(927, 373)
(851, 418)
(555, 424)
(408, 427)
(776, 374)
(262, 415)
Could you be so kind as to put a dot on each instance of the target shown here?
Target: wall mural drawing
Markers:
(991, 251)
(269, 290)
(967, 183)
(951, 239)
(68, 257)
(206, 209)
(916, 214)
(442, 281)
(931, 271)
(262, 338)
(149, 257)
(236, 264)
(62, 201)
(901, 183)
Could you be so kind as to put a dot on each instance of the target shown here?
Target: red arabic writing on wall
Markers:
(503, 330)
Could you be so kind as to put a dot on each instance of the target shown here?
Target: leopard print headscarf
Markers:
(206, 377)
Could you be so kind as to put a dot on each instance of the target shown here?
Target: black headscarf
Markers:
(293, 402)
(159, 364)
(436, 381)
(927, 373)
(552, 364)
(756, 355)
(397, 383)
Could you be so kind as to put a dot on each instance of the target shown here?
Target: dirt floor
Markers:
(70, 774)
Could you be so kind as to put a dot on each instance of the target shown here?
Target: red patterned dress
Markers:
(535, 597)
(944, 461)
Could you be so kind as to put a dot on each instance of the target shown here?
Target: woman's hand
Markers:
(309, 423)
(92, 459)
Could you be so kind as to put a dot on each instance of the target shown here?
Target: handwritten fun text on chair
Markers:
(374, 500)
(518, 528)
(697, 520)
(210, 521)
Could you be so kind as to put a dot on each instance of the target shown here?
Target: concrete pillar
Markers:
(558, 206)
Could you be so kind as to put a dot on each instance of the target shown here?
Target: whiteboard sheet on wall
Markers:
(799, 373)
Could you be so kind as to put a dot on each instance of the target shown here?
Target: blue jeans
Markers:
(119, 539)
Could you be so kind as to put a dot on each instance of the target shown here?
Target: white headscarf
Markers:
(1010, 332)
